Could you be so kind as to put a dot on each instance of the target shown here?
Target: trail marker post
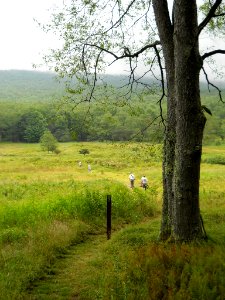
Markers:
(109, 216)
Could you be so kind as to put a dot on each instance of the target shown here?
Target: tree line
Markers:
(26, 121)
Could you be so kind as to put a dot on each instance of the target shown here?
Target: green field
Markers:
(53, 211)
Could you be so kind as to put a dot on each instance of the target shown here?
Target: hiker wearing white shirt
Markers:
(144, 182)
(131, 178)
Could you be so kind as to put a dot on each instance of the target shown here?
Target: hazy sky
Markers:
(23, 43)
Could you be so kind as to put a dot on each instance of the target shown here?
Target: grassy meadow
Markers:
(49, 205)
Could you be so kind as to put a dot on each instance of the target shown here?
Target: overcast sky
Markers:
(23, 43)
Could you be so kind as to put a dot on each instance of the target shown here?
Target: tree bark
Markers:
(165, 28)
(185, 121)
(190, 122)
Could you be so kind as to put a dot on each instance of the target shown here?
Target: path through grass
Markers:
(65, 279)
(78, 272)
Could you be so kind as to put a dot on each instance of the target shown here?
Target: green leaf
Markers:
(207, 110)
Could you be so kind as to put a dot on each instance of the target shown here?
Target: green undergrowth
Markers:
(53, 226)
(44, 219)
(214, 159)
(162, 272)
(134, 265)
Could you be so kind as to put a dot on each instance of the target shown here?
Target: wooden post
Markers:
(109, 209)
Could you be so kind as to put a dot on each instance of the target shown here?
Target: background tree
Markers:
(58, 125)
(31, 126)
(95, 31)
(48, 142)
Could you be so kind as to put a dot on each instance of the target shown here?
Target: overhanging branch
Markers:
(127, 53)
(219, 15)
(95, 76)
(213, 85)
(141, 132)
(210, 15)
(162, 82)
(211, 53)
(121, 17)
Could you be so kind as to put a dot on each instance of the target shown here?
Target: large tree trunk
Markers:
(185, 121)
(190, 122)
(168, 162)
(166, 36)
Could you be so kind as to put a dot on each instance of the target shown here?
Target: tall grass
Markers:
(46, 218)
(47, 203)
(153, 271)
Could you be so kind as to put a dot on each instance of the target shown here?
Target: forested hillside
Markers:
(16, 85)
(30, 103)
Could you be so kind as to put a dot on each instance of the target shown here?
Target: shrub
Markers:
(84, 151)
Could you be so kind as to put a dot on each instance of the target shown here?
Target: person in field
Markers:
(89, 168)
(80, 164)
(132, 179)
(144, 182)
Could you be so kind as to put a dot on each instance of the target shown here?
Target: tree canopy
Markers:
(98, 34)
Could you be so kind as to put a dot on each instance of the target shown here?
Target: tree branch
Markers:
(127, 53)
(121, 17)
(95, 76)
(211, 53)
(216, 87)
(162, 16)
(219, 15)
(141, 131)
(210, 15)
(162, 82)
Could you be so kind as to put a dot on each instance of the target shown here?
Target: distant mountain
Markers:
(28, 85)
(21, 85)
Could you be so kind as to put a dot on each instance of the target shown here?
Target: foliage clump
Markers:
(49, 142)
(84, 151)
(32, 126)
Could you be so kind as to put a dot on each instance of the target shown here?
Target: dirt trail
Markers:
(63, 280)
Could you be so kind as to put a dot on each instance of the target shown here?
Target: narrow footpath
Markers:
(74, 271)
(64, 279)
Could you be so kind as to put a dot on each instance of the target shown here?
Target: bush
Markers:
(57, 151)
(84, 151)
